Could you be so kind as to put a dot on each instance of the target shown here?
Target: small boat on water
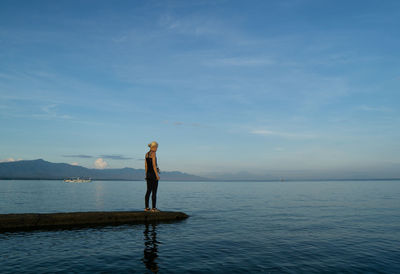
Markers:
(77, 180)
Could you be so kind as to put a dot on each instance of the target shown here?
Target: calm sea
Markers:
(234, 227)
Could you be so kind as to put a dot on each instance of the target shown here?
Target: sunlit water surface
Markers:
(236, 227)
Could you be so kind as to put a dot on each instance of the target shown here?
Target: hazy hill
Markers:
(41, 169)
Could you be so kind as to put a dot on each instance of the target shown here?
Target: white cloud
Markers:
(9, 160)
(100, 163)
(265, 132)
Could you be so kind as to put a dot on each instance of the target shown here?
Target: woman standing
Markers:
(152, 176)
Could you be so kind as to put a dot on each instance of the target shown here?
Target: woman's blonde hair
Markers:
(153, 144)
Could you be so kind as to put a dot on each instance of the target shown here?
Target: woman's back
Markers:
(152, 176)
(150, 170)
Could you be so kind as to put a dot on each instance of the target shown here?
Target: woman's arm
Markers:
(154, 166)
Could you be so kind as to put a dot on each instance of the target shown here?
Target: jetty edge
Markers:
(31, 221)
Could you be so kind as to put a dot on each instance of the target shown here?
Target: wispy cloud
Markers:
(83, 156)
(240, 61)
(290, 135)
(374, 109)
(115, 157)
(103, 156)
(42, 95)
(191, 25)
(180, 123)
(49, 112)
(26, 107)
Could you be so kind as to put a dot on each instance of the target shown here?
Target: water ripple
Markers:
(235, 227)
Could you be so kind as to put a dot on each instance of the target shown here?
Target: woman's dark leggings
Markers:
(151, 187)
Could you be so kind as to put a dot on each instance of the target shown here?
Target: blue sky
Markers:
(264, 87)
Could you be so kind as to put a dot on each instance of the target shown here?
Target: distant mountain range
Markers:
(41, 169)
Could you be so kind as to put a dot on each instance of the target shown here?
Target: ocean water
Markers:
(234, 227)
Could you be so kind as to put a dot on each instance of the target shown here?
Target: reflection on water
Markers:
(99, 195)
(150, 247)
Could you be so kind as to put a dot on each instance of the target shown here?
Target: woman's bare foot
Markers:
(155, 210)
(147, 209)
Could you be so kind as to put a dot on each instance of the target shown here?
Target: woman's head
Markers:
(153, 146)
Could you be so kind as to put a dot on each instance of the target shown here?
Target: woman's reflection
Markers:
(150, 247)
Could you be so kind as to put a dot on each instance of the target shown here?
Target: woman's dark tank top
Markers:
(150, 170)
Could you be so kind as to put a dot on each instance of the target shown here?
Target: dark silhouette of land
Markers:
(29, 221)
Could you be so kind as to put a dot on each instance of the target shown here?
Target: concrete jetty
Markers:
(29, 221)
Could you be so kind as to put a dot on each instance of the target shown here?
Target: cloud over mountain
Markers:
(100, 163)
